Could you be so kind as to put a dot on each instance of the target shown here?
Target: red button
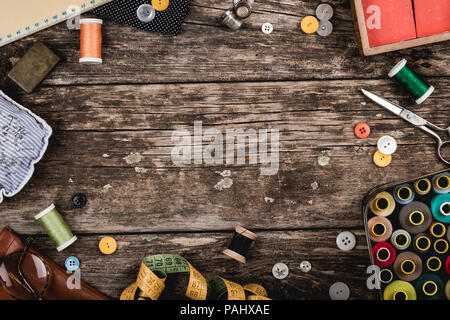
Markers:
(362, 130)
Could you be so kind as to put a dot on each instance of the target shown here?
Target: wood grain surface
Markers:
(113, 125)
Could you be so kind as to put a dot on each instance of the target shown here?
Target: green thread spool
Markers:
(54, 225)
(419, 89)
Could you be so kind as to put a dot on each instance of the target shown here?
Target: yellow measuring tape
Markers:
(154, 271)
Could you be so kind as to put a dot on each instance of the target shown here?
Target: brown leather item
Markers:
(57, 289)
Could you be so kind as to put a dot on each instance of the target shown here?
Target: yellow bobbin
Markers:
(309, 24)
(433, 292)
(425, 248)
(443, 185)
(439, 264)
(436, 246)
(383, 204)
(414, 213)
(403, 264)
(418, 186)
(409, 193)
(401, 245)
(433, 231)
(379, 234)
(399, 286)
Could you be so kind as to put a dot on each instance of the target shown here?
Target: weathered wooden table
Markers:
(150, 85)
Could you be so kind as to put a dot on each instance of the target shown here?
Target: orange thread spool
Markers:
(91, 41)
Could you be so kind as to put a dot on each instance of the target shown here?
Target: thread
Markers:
(385, 276)
(382, 204)
(411, 82)
(230, 20)
(404, 194)
(380, 228)
(429, 287)
(415, 217)
(240, 243)
(54, 225)
(433, 263)
(437, 229)
(91, 41)
(422, 243)
(401, 239)
(408, 266)
(440, 246)
(383, 254)
(422, 186)
(399, 286)
(441, 183)
(440, 202)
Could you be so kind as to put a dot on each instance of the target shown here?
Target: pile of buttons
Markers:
(321, 24)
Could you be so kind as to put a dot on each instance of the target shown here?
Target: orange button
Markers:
(160, 5)
(107, 245)
(362, 130)
(309, 24)
(381, 160)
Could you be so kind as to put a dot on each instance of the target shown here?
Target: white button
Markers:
(267, 28)
(346, 241)
(339, 291)
(324, 11)
(387, 145)
(325, 28)
(146, 13)
(305, 266)
(280, 270)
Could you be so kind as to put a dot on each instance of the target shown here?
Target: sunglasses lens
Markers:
(22, 274)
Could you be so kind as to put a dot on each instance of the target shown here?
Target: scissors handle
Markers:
(441, 146)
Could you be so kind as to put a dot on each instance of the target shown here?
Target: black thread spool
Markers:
(240, 243)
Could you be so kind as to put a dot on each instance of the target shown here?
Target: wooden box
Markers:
(363, 37)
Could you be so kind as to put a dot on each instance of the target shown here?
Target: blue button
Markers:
(72, 263)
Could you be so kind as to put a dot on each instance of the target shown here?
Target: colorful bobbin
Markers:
(433, 263)
(390, 293)
(415, 217)
(441, 183)
(422, 186)
(429, 287)
(383, 254)
(439, 203)
(380, 228)
(437, 229)
(408, 266)
(382, 204)
(422, 243)
(401, 239)
(441, 246)
(404, 194)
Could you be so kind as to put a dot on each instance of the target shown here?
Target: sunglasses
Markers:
(25, 275)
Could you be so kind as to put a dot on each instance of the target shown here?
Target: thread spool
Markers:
(429, 287)
(404, 194)
(415, 217)
(231, 20)
(54, 225)
(422, 243)
(383, 254)
(243, 8)
(439, 207)
(91, 41)
(433, 263)
(437, 229)
(408, 266)
(399, 286)
(240, 243)
(380, 228)
(401, 239)
(382, 204)
(385, 276)
(447, 265)
(440, 246)
(422, 186)
(411, 82)
(441, 183)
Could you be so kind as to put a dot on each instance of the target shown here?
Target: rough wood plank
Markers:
(111, 274)
(132, 56)
(94, 133)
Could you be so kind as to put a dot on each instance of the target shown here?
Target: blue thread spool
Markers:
(411, 82)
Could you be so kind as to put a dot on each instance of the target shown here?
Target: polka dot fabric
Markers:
(125, 11)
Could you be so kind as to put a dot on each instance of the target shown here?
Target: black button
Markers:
(78, 200)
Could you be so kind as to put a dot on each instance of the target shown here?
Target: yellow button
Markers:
(107, 245)
(310, 24)
(381, 160)
(160, 5)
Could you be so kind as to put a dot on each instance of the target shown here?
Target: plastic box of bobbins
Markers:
(408, 235)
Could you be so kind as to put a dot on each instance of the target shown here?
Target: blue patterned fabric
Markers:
(23, 141)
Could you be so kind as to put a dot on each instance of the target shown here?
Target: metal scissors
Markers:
(416, 121)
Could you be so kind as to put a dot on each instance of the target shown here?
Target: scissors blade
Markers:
(383, 102)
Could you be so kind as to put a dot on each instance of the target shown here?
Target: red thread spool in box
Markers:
(91, 41)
